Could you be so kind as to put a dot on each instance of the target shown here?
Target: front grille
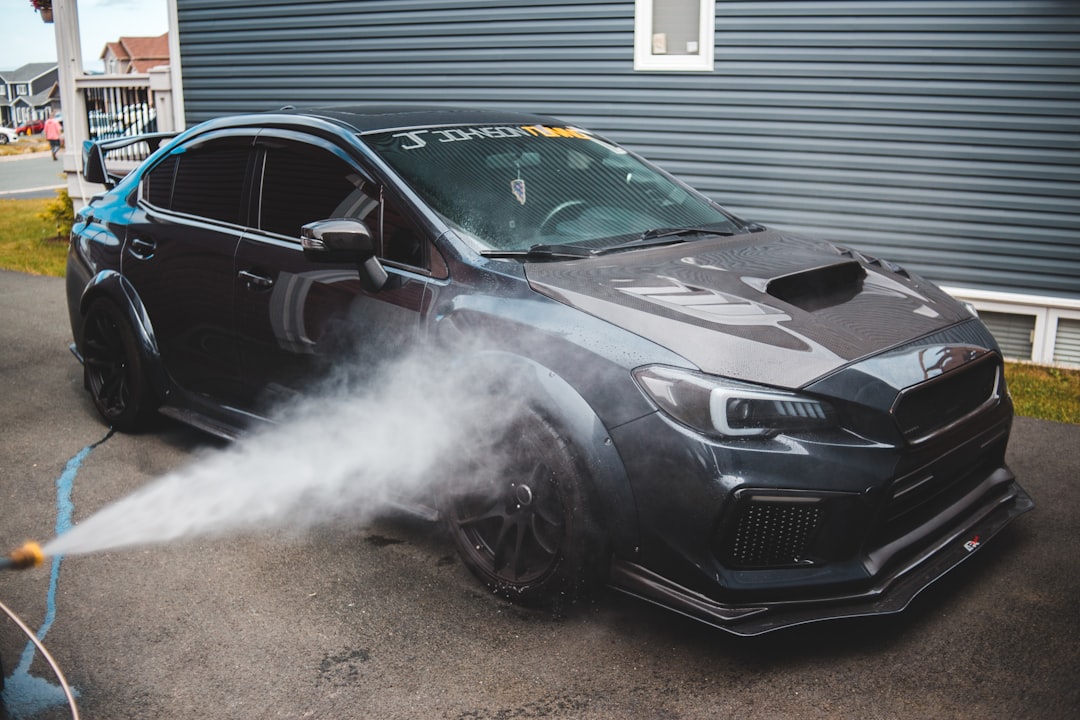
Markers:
(773, 532)
(920, 496)
(926, 408)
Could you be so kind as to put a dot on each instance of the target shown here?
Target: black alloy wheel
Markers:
(527, 532)
(112, 368)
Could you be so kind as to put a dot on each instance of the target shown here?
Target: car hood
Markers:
(763, 307)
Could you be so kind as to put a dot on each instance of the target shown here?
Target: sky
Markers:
(24, 38)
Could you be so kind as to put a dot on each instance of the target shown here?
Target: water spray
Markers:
(21, 558)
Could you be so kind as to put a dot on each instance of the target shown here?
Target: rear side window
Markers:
(157, 185)
(207, 180)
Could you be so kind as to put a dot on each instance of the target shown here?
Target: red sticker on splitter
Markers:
(971, 544)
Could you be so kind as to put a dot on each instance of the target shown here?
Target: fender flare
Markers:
(115, 287)
(611, 495)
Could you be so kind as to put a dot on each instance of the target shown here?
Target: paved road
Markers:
(382, 621)
(28, 176)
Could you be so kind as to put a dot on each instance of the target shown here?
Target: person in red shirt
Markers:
(52, 134)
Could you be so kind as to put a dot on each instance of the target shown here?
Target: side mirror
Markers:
(94, 165)
(345, 240)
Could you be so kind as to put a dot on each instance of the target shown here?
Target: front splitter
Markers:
(891, 594)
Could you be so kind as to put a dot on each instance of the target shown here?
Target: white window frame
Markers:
(1045, 310)
(645, 60)
(1050, 341)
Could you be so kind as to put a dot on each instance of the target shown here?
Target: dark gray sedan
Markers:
(751, 428)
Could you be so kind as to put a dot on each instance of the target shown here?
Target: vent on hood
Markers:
(819, 287)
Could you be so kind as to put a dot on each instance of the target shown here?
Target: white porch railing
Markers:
(109, 106)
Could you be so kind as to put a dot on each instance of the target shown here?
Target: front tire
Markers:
(113, 368)
(528, 533)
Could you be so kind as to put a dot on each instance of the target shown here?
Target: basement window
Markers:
(674, 35)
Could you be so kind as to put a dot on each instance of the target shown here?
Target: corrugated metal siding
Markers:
(944, 135)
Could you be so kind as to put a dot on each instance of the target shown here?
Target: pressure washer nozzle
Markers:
(28, 556)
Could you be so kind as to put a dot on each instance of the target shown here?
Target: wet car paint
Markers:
(761, 306)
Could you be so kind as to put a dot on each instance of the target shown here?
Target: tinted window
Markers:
(157, 185)
(209, 179)
(303, 183)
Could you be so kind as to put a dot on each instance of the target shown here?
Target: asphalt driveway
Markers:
(382, 621)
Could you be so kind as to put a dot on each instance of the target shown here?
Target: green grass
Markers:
(1049, 393)
(28, 243)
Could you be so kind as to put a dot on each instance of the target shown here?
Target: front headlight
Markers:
(726, 408)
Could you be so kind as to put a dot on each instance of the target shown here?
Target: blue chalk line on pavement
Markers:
(26, 695)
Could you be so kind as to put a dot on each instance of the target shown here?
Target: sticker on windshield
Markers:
(416, 139)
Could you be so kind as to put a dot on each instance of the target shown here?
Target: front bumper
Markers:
(890, 593)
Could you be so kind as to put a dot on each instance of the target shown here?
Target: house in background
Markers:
(943, 136)
(28, 93)
(123, 100)
(135, 54)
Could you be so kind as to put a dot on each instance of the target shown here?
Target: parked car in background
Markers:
(751, 428)
(31, 127)
(7, 135)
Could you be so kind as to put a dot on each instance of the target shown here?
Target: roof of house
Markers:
(42, 98)
(142, 52)
(28, 72)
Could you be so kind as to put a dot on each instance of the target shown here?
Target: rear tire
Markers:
(113, 368)
(528, 533)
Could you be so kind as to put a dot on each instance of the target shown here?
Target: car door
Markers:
(298, 319)
(179, 254)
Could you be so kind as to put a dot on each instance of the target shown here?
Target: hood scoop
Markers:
(766, 308)
(819, 287)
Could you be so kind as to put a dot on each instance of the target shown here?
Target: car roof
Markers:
(369, 118)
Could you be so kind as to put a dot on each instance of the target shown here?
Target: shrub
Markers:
(61, 213)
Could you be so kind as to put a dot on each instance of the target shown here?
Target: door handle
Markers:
(142, 248)
(254, 281)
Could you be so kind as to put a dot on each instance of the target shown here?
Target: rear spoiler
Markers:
(124, 154)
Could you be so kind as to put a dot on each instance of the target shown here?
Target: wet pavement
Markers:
(383, 621)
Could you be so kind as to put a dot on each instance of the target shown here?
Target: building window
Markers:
(1067, 341)
(1014, 333)
(21, 90)
(674, 35)
(3, 90)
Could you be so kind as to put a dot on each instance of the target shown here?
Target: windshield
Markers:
(510, 188)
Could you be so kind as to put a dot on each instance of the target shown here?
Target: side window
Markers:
(303, 183)
(402, 240)
(206, 180)
(210, 180)
(157, 184)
